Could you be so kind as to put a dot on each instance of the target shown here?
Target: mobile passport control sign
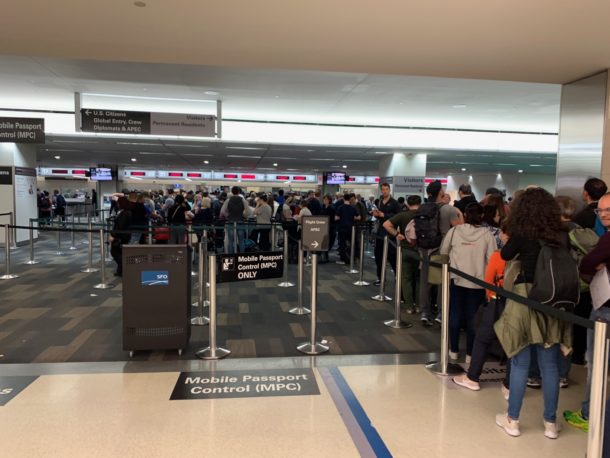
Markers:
(155, 278)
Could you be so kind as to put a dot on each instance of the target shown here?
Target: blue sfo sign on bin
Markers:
(155, 278)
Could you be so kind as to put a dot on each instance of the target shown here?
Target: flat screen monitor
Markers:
(101, 174)
(335, 178)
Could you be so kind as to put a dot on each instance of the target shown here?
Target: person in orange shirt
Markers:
(485, 334)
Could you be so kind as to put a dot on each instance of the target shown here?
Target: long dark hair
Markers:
(535, 215)
(474, 214)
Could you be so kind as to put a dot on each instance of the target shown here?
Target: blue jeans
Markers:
(565, 364)
(603, 313)
(548, 361)
(463, 306)
(241, 235)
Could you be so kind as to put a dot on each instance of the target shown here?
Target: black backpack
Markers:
(279, 214)
(556, 279)
(427, 226)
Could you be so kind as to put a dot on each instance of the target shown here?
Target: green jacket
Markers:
(520, 326)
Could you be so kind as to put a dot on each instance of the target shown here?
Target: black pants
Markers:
(579, 334)
(485, 337)
(332, 235)
(344, 234)
(379, 255)
(261, 237)
(116, 251)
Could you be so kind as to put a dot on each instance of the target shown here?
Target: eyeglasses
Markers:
(599, 211)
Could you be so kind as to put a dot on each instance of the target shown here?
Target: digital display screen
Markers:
(282, 177)
(138, 174)
(335, 178)
(79, 172)
(299, 178)
(101, 174)
(193, 175)
(175, 174)
(230, 176)
(248, 177)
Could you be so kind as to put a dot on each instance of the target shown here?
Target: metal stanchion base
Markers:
(285, 284)
(397, 324)
(314, 349)
(88, 270)
(361, 283)
(59, 253)
(206, 353)
(381, 298)
(200, 321)
(73, 248)
(103, 286)
(31, 262)
(194, 273)
(352, 271)
(9, 277)
(299, 311)
(206, 303)
(437, 368)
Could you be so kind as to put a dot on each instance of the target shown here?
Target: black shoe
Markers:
(377, 282)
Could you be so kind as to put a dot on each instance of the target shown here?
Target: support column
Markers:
(405, 172)
(584, 135)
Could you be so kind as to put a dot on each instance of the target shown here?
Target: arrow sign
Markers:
(315, 244)
(315, 231)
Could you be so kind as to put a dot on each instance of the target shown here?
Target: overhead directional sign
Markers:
(315, 232)
(146, 123)
(22, 130)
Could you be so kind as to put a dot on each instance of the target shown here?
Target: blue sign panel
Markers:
(155, 278)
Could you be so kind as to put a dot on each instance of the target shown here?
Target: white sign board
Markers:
(408, 185)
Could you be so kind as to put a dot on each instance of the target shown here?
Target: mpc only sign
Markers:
(245, 384)
(147, 123)
(315, 233)
(250, 266)
(22, 130)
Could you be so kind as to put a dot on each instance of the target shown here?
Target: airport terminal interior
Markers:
(266, 229)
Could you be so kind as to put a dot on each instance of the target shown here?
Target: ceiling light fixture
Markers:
(459, 105)
(275, 164)
(212, 93)
(57, 157)
(245, 147)
(344, 166)
(246, 157)
(133, 159)
(463, 169)
(206, 162)
(519, 171)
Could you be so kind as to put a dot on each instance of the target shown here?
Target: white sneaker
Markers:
(464, 381)
(468, 359)
(505, 392)
(551, 430)
(453, 355)
(510, 426)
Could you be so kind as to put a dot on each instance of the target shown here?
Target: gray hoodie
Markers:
(469, 248)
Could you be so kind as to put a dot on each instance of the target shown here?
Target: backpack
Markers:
(556, 281)
(582, 241)
(235, 208)
(427, 226)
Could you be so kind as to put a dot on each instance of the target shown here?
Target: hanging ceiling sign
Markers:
(22, 130)
(147, 123)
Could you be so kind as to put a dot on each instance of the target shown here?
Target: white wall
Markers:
(506, 181)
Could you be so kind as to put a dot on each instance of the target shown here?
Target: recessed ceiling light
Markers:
(381, 152)
(536, 165)
(133, 159)
(463, 169)
(344, 166)
(139, 4)
(275, 164)
(57, 157)
(459, 105)
(211, 93)
(206, 162)
(519, 171)
(277, 96)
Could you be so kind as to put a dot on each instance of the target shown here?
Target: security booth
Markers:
(156, 297)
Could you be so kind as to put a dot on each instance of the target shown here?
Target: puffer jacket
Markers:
(469, 248)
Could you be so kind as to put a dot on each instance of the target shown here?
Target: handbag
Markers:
(435, 274)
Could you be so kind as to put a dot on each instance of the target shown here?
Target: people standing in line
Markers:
(235, 209)
(178, 215)
(329, 210)
(592, 192)
(315, 206)
(387, 207)
(280, 197)
(120, 234)
(466, 198)
(60, 205)
(521, 330)
(45, 208)
(396, 227)
(469, 247)
(596, 260)
(263, 212)
(492, 221)
(346, 215)
(139, 218)
(94, 203)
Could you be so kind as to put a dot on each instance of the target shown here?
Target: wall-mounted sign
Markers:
(408, 185)
(251, 266)
(140, 122)
(6, 175)
(22, 130)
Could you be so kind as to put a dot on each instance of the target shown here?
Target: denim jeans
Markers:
(463, 306)
(241, 235)
(565, 364)
(601, 313)
(548, 361)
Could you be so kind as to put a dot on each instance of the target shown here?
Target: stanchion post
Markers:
(189, 243)
(213, 351)
(361, 281)
(444, 367)
(285, 283)
(150, 232)
(7, 254)
(235, 249)
(313, 347)
(201, 320)
(273, 237)
(300, 309)
(352, 252)
(58, 252)
(599, 381)
(13, 231)
(73, 236)
(90, 268)
(31, 261)
(86, 241)
(381, 297)
(103, 284)
(397, 322)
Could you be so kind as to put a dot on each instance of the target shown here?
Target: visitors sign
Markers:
(250, 266)
(147, 123)
(22, 130)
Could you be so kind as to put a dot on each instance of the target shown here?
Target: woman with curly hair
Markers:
(535, 217)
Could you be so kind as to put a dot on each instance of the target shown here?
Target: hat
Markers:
(434, 188)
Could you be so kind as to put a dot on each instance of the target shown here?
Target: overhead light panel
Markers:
(254, 148)
(133, 159)
(206, 162)
(57, 157)
(246, 157)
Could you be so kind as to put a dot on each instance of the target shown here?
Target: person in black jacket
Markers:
(593, 190)
(120, 233)
(387, 207)
(466, 198)
(329, 210)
